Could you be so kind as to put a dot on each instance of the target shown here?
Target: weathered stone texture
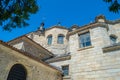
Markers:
(40, 39)
(54, 47)
(91, 63)
(88, 63)
(115, 29)
(63, 63)
(35, 69)
(19, 45)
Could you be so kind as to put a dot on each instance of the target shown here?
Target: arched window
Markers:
(17, 72)
(60, 39)
(113, 39)
(49, 39)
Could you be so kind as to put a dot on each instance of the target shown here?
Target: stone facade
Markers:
(27, 45)
(36, 70)
(98, 61)
(92, 62)
(54, 47)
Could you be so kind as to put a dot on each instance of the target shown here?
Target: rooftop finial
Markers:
(59, 23)
(41, 28)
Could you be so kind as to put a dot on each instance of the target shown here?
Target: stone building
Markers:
(89, 52)
(18, 64)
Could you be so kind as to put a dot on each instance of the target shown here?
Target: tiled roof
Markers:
(24, 36)
(27, 55)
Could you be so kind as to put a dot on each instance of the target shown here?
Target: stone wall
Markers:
(91, 63)
(63, 63)
(114, 29)
(35, 70)
(18, 45)
(40, 39)
(54, 47)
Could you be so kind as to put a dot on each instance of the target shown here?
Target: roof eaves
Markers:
(24, 36)
(50, 53)
(27, 55)
(113, 22)
(61, 27)
(91, 25)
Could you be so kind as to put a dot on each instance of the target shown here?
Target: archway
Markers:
(17, 72)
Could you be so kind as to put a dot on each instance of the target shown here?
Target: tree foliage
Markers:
(15, 13)
(114, 5)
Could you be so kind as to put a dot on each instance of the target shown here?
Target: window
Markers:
(113, 39)
(65, 70)
(84, 40)
(60, 39)
(17, 72)
(49, 40)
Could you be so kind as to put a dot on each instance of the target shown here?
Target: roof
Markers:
(113, 22)
(27, 55)
(25, 37)
(95, 24)
(58, 58)
(56, 26)
(88, 26)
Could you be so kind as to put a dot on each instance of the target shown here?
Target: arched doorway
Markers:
(17, 72)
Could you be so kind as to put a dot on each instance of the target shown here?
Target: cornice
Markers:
(113, 22)
(87, 27)
(111, 48)
(57, 59)
(61, 27)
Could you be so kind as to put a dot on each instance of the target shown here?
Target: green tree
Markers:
(15, 13)
(114, 5)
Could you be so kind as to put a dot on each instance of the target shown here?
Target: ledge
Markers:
(84, 48)
(59, 58)
(88, 26)
(66, 77)
(112, 47)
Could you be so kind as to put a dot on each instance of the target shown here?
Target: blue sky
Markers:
(68, 12)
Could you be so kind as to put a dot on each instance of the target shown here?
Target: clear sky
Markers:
(68, 12)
